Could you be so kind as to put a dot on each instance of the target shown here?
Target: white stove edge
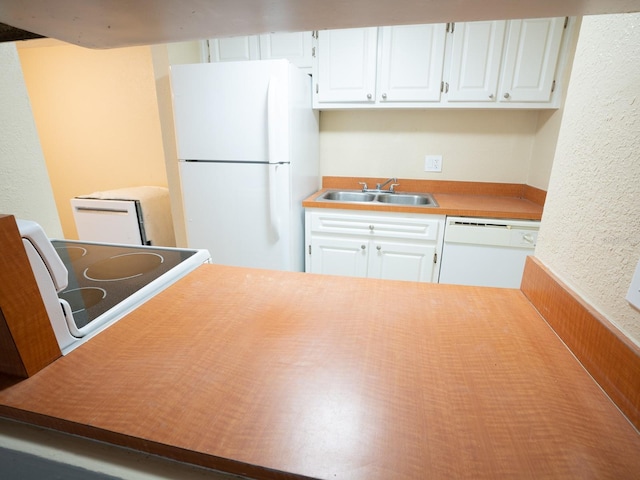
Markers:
(111, 316)
(51, 277)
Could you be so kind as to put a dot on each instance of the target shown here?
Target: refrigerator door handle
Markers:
(271, 121)
(274, 217)
(274, 122)
(274, 154)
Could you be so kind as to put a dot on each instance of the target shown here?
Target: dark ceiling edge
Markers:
(12, 34)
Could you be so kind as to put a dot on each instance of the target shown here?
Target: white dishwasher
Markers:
(486, 252)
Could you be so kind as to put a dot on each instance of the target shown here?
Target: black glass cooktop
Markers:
(102, 276)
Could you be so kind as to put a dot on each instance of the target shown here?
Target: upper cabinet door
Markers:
(476, 56)
(411, 63)
(347, 66)
(295, 47)
(487, 64)
(233, 49)
(531, 57)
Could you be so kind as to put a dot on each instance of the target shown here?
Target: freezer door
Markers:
(239, 212)
(222, 110)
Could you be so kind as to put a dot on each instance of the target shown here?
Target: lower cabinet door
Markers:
(339, 256)
(402, 261)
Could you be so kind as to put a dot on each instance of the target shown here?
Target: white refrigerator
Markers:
(247, 141)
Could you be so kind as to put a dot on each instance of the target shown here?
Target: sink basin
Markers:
(414, 199)
(349, 196)
(408, 199)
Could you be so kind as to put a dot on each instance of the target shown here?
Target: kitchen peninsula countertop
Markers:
(279, 375)
(472, 199)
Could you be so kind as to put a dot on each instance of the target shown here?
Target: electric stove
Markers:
(106, 281)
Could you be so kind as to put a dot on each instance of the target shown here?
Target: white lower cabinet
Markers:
(337, 256)
(403, 261)
(376, 245)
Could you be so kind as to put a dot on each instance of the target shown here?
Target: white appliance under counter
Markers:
(487, 252)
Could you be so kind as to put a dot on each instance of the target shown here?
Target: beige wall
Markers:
(163, 57)
(476, 145)
(25, 190)
(590, 233)
(97, 116)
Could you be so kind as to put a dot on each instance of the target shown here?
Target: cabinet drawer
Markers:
(419, 227)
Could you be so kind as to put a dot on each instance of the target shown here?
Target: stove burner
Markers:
(73, 253)
(84, 297)
(123, 266)
(104, 279)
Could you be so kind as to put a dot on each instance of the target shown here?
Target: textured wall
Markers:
(24, 182)
(590, 233)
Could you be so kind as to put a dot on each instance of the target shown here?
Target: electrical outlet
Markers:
(433, 163)
(633, 295)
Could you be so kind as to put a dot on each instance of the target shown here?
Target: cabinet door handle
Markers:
(368, 96)
(491, 95)
(371, 227)
(506, 95)
(384, 96)
(379, 248)
(363, 247)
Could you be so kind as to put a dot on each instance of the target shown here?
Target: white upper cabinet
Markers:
(233, 49)
(488, 64)
(475, 60)
(347, 68)
(531, 56)
(295, 47)
(380, 65)
(410, 68)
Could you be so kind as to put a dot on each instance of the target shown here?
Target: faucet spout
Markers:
(380, 186)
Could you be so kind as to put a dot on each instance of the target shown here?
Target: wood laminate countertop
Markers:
(472, 199)
(278, 375)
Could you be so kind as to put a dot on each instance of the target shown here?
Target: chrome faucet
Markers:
(393, 181)
(379, 186)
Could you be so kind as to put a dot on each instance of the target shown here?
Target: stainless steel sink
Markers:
(346, 196)
(354, 196)
(414, 199)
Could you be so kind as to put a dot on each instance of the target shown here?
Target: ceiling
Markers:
(117, 23)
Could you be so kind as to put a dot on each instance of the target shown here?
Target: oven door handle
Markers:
(68, 315)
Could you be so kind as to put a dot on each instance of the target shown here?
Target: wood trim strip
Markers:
(535, 195)
(611, 358)
(26, 335)
(10, 361)
(227, 466)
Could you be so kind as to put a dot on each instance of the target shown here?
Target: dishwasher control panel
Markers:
(523, 238)
(492, 231)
